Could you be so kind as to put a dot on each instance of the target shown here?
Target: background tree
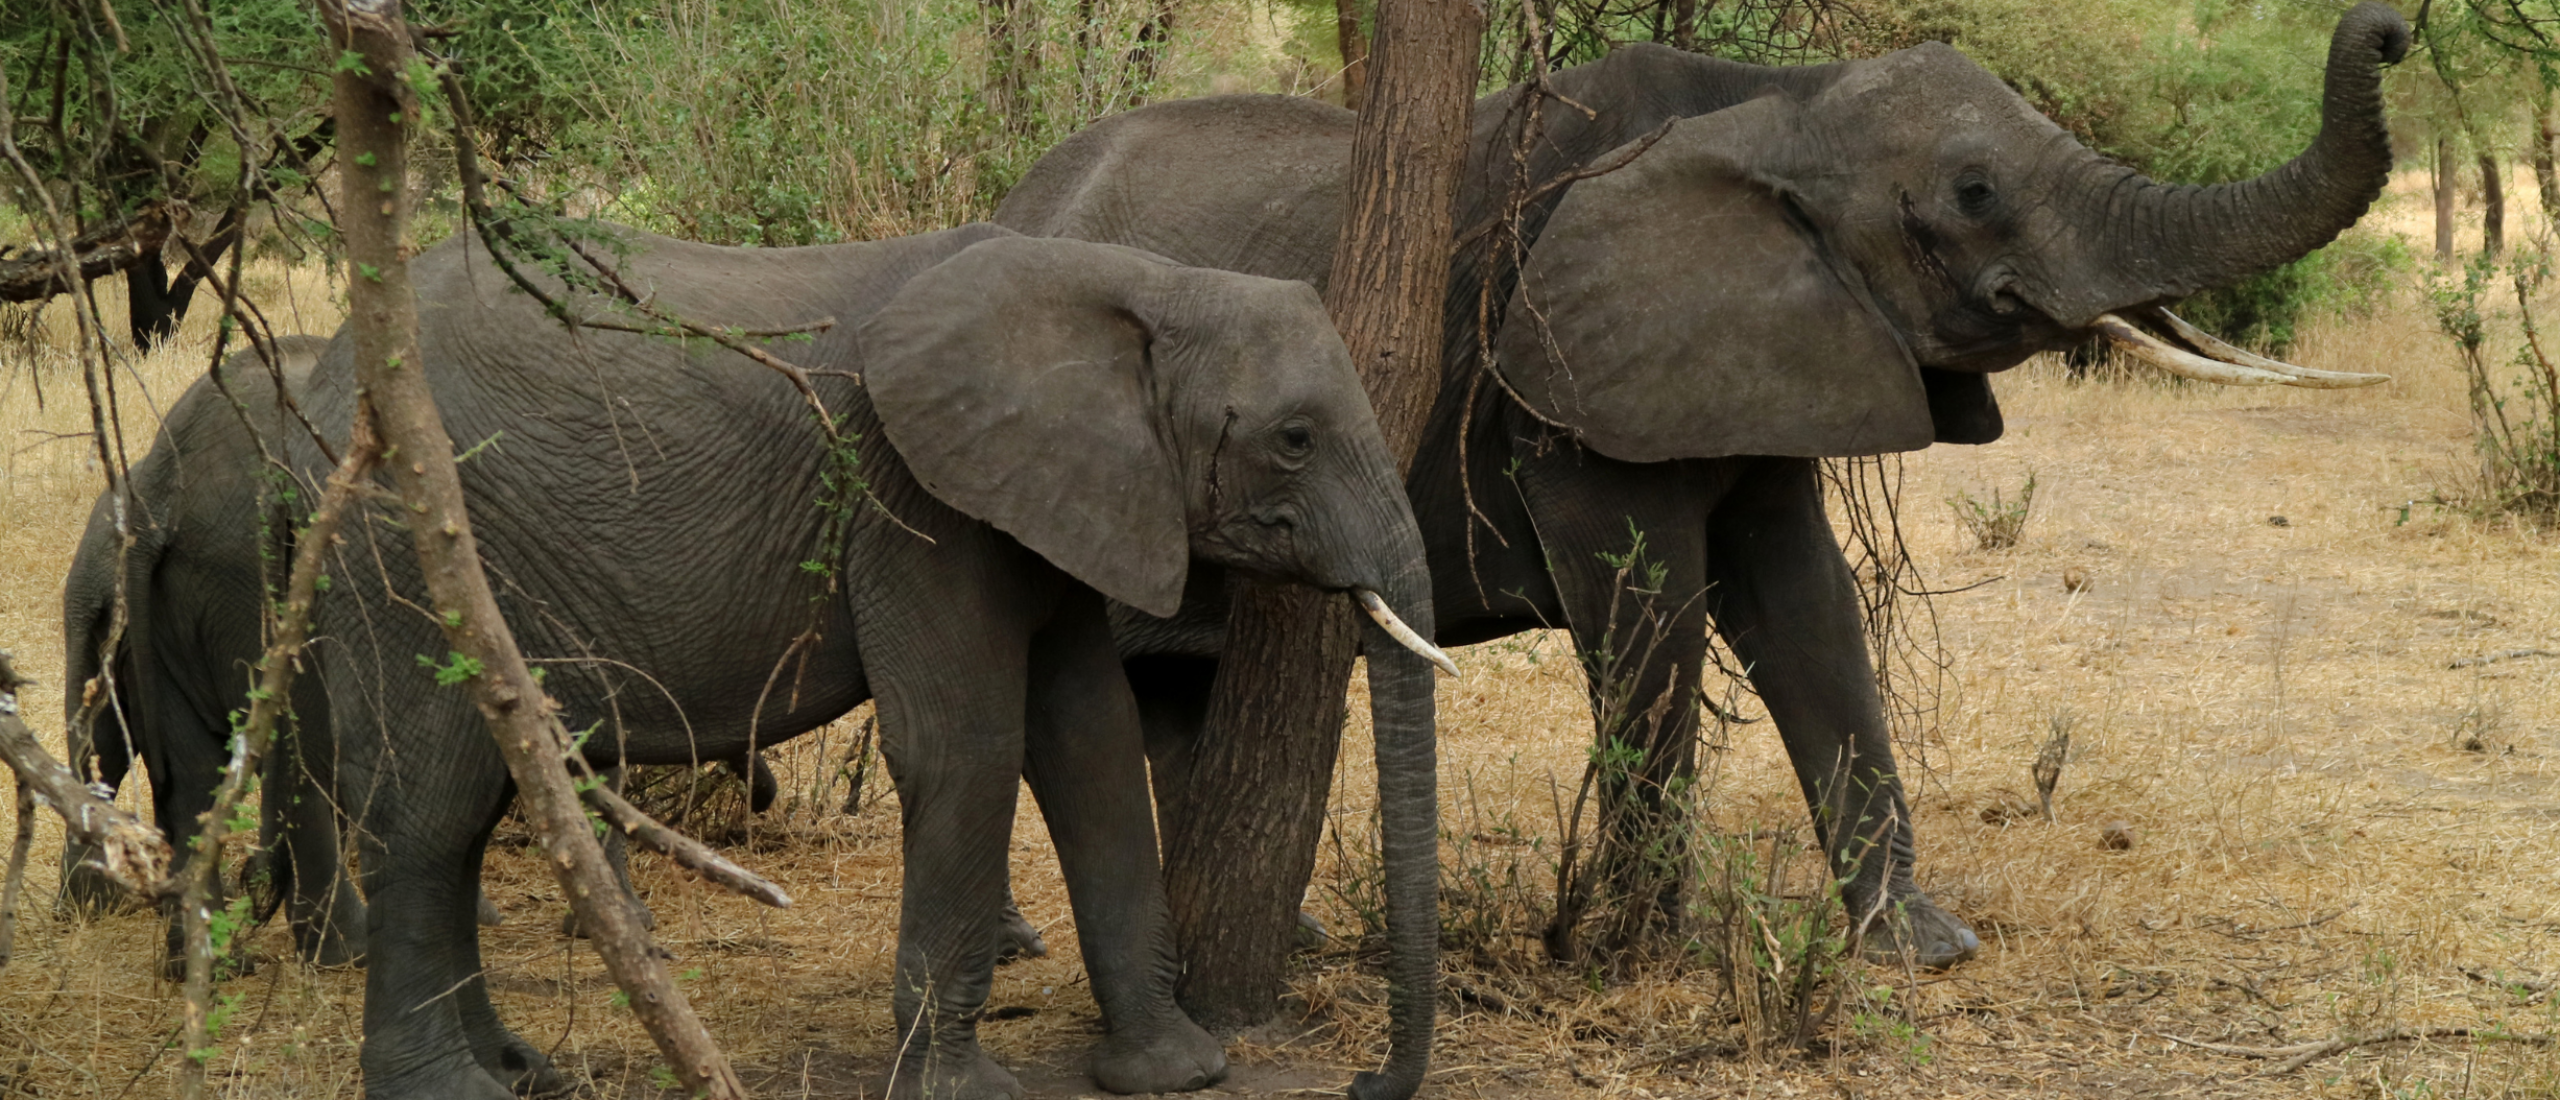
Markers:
(1265, 759)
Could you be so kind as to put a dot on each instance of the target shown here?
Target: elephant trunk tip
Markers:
(1384, 1086)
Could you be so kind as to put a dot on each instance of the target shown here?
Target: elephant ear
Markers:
(1684, 306)
(1015, 380)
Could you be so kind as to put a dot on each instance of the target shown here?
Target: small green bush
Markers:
(1997, 523)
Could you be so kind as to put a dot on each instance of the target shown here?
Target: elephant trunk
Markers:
(1400, 711)
(2175, 240)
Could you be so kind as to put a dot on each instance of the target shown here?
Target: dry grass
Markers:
(2334, 832)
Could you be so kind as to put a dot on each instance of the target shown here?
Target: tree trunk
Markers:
(1238, 860)
(2444, 201)
(1010, 64)
(2493, 208)
(2543, 174)
(375, 107)
(1355, 52)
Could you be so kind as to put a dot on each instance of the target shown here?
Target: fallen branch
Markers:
(2302, 1054)
(36, 275)
(2509, 655)
(688, 853)
(132, 852)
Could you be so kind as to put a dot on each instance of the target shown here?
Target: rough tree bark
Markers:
(1355, 53)
(375, 107)
(2493, 208)
(1241, 849)
(102, 251)
(2444, 201)
(2543, 173)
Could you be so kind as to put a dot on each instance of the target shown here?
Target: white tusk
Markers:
(2308, 377)
(2181, 362)
(1395, 628)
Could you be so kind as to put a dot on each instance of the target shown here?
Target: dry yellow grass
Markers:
(2334, 832)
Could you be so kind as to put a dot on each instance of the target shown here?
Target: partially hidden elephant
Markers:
(184, 662)
(1031, 427)
(189, 645)
(1679, 283)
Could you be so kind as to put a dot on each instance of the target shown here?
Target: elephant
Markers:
(1025, 428)
(190, 645)
(1723, 274)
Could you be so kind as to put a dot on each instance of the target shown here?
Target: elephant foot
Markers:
(456, 1078)
(1914, 927)
(488, 913)
(1015, 938)
(86, 889)
(526, 1071)
(336, 941)
(1175, 1058)
(328, 948)
(946, 1073)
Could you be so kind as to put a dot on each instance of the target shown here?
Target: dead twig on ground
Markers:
(2506, 655)
(2302, 1054)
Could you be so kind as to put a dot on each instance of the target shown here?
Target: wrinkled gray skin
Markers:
(1819, 261)
(187, 658)
(191, 644)
(1040, 425)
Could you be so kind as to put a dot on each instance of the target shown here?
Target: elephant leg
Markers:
(954, 747)
(86, 889)
(1785, 602)
(1626, 545)
(327, 917)
(617, 855)
(499, 1050)
(1087, 765)
(423, 840)
(190, 757)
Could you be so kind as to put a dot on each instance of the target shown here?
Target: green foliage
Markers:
(2515, 398)
(1777, 950)
(456, 668)
(761, 122)
(2349, 278)
(126, 111)
(1997, 523)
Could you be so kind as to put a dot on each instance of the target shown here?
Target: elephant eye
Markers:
(1974, 195)
(1296, 440)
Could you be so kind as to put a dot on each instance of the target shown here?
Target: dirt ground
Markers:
(2239, 601)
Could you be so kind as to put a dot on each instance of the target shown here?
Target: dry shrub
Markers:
(1999, 522)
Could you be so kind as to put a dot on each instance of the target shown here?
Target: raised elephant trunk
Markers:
(2172, 241)
(1400, 712)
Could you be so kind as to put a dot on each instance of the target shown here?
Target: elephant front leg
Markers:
(1626, 548)
(1087, 766)
(957, 766)
(1785, 602)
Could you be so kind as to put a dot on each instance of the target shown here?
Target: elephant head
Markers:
(1128, 414)
(1843, 257)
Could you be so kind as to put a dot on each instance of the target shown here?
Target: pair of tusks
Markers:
(1404, 635)
(2220, 362)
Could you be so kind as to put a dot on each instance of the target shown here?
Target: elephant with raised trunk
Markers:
(1695, 279)
(1032, 426)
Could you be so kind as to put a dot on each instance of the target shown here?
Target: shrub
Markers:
(1998, 523)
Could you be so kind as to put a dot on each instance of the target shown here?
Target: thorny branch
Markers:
(2302, 1054)
(255, 732)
